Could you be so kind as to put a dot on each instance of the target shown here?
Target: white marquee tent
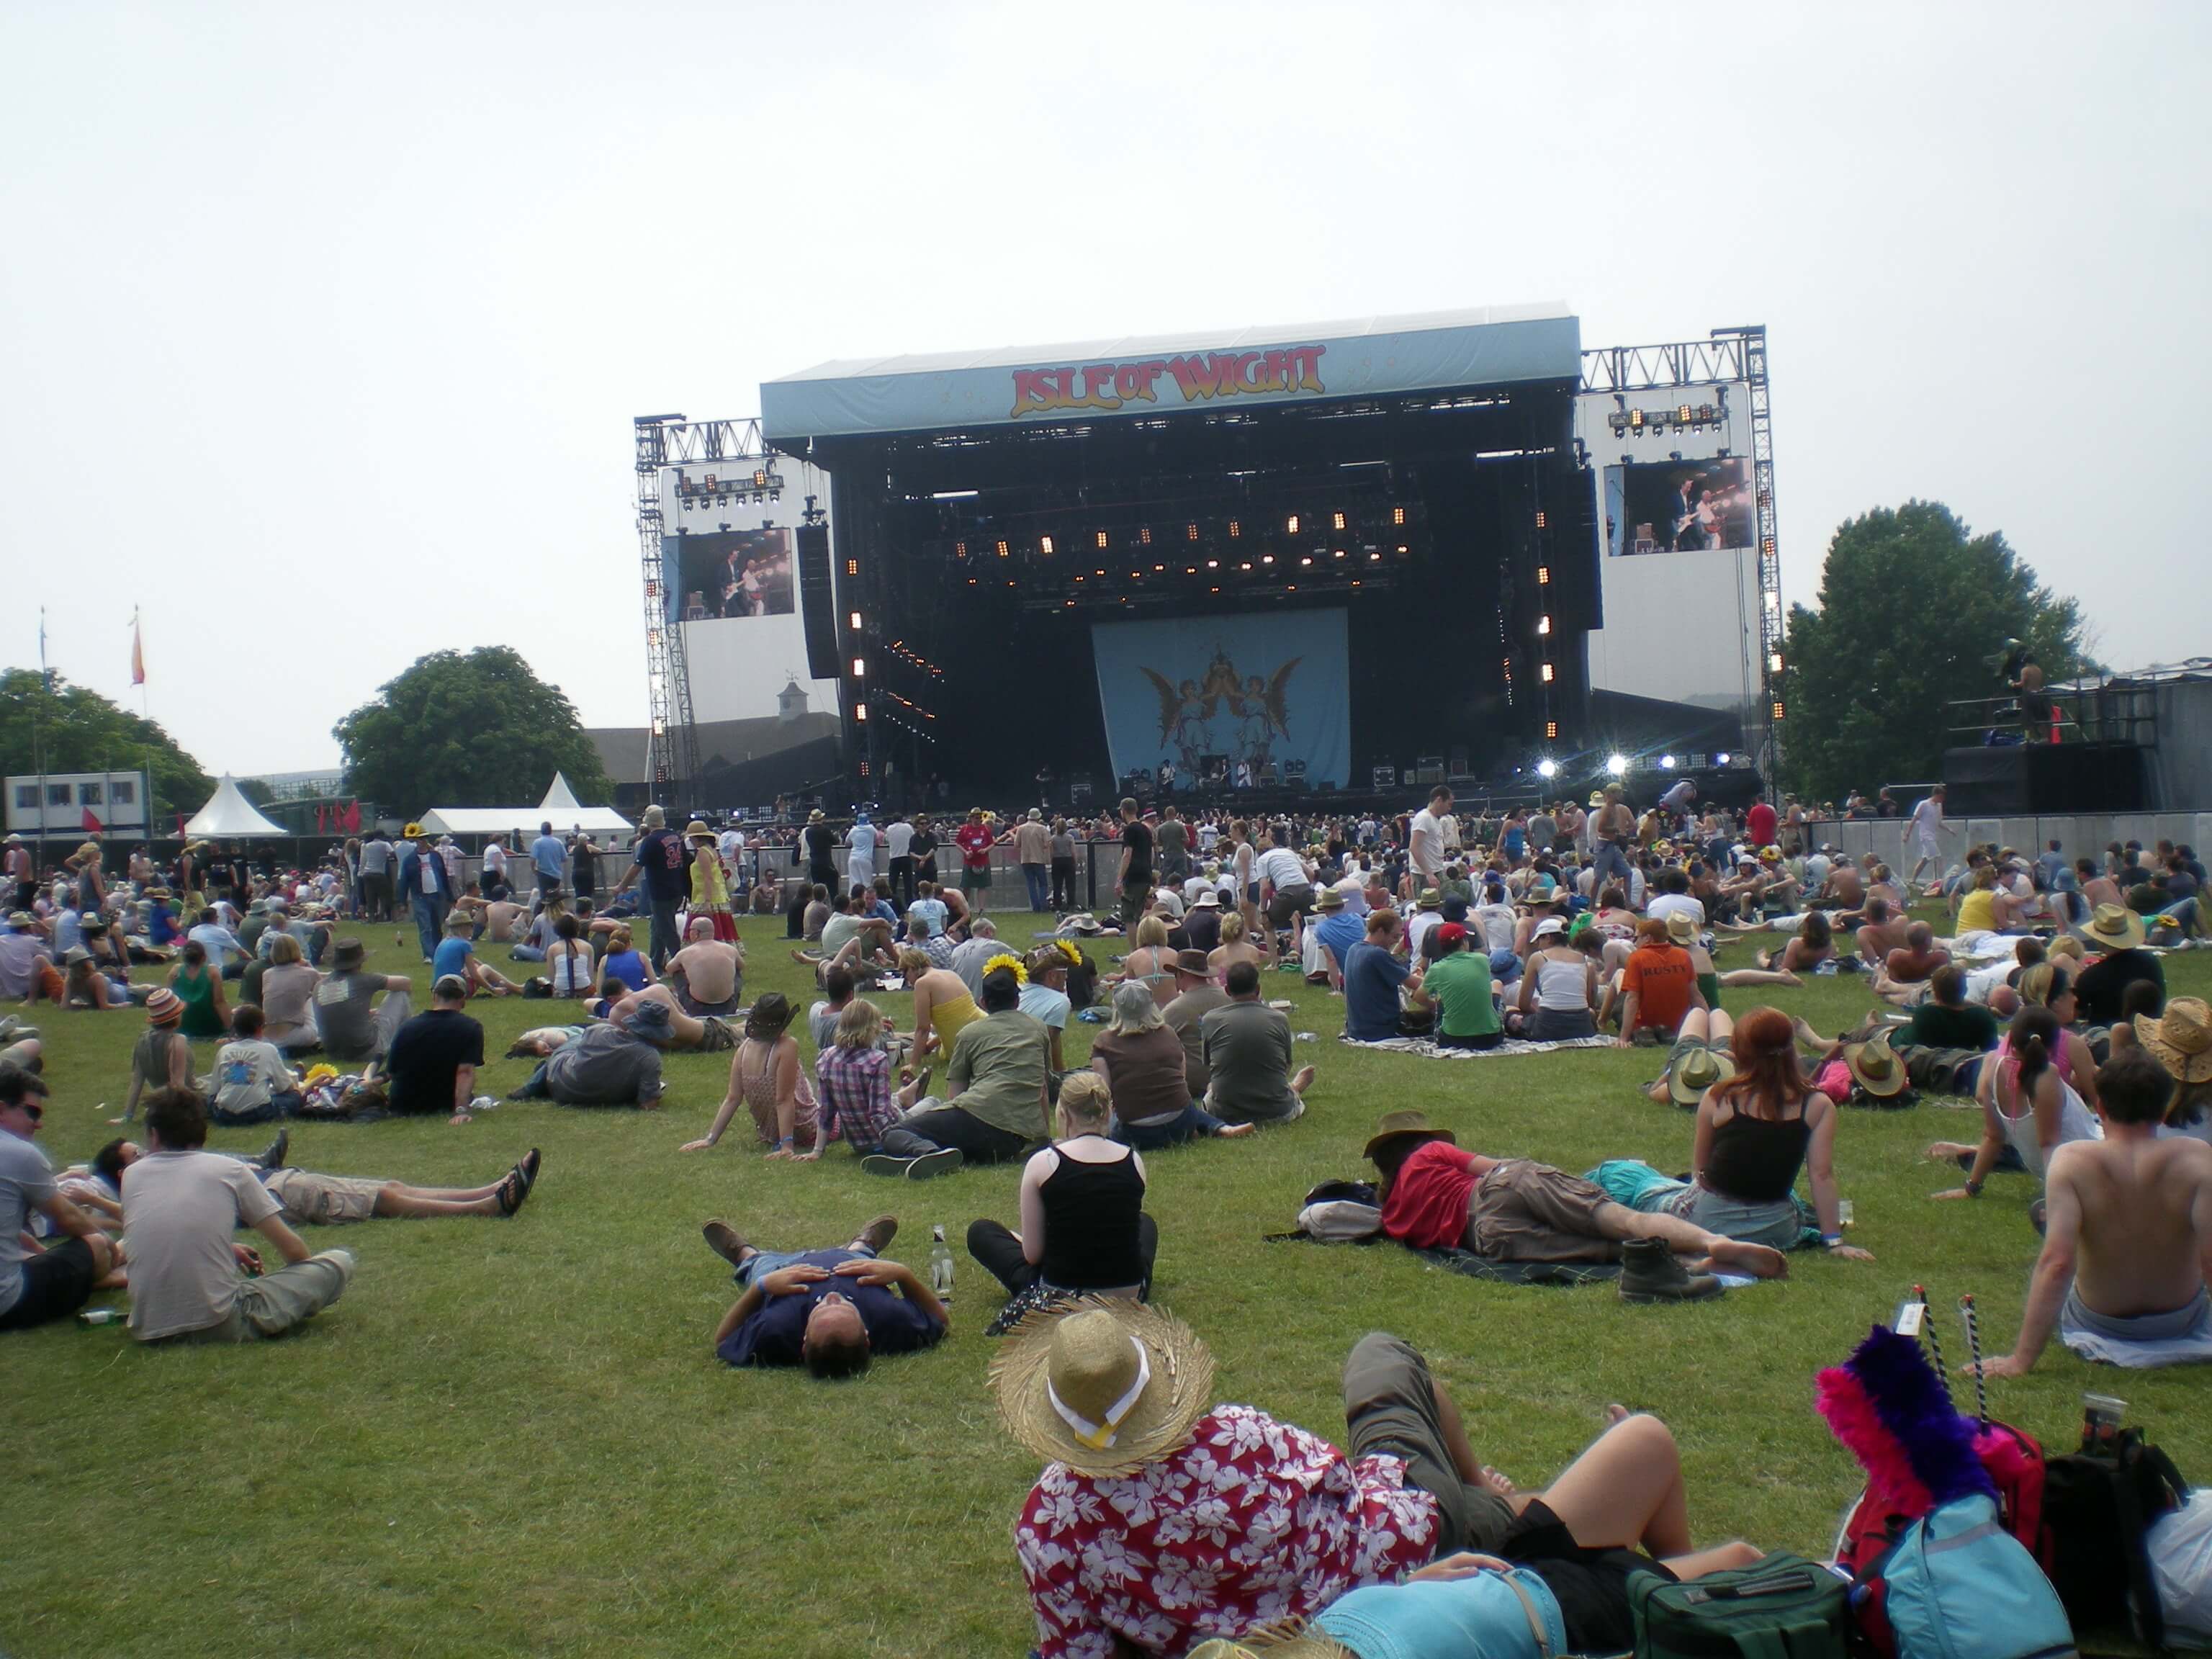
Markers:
(230, 813)
(560, 808)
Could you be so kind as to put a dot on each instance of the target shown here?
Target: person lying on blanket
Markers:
(2128, 1233)
(1434, 1196)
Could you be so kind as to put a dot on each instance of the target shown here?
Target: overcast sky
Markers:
(321, 329)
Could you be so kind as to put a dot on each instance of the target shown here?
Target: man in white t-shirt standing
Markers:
(898, 848)
(1924, 830)
(189, 1283)
(1425, 847)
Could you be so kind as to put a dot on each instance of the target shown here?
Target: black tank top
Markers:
(1756, 1160)
(1090, 1213)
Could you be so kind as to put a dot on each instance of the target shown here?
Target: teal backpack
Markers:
(1785, 1607)
(1957, 1585)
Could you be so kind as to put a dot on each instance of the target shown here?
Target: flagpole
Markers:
(146, 713)
(39, 750)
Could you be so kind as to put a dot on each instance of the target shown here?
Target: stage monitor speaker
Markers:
(2038, 780)
(818, 602)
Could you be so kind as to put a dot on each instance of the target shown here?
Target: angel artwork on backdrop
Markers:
(1182, 718)
(1264, 710)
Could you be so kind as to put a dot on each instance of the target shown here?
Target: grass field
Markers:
(511, 1436)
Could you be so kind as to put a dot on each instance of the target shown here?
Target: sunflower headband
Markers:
(1012, 964)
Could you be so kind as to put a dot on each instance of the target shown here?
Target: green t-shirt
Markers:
(1459, 984)
(1934, 1026)
(998, 1065)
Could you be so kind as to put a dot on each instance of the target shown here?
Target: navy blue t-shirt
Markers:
(776, 1330)
(660, 855)
(1371, 978)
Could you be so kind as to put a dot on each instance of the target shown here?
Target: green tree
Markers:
(473, 730)
(1912, 607)
(79, 730)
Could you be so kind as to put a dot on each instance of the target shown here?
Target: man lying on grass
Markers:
(829, 1310)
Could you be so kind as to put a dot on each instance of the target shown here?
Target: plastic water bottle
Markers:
(940, 1265)
(101, 1315)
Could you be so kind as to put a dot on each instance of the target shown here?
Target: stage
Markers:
(1328, 557)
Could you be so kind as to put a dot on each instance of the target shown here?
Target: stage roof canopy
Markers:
(1233, 369)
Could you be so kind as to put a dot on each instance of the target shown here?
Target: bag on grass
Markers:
(2099, 1507)
(2179, 1546)
(1785, 1607)
(1957, 1585)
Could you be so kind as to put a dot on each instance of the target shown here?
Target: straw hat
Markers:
(1300, 1640)
(2114, 926)
(165, 1006)
(816, 816)
(1209, 898)
(2181, 1039)
(1681, 928)
(1331, 898)
(697, 831)
(1697, 1071)
(1395, 1126)
(1430, 898)
(1102, 1386)
(1876, 1067)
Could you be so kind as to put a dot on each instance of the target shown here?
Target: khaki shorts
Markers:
(1524, 1211)
(324, 1200)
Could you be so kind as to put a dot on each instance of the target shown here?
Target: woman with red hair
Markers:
(1756, 1130)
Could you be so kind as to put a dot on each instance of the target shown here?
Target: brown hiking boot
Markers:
(877, 1234)
(725, 1241)
(1649, 1271)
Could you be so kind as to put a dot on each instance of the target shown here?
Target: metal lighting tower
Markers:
(1769, 556)
(674, 744)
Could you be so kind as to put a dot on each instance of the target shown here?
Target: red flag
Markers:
(320, 809)
(353, 817)
(92, 825)
(137, 651)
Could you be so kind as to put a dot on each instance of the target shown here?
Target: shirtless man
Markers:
(1882, 931)
(707, 975)
(2128, 1242)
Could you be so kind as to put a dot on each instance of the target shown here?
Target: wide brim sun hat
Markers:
(1102, 1385)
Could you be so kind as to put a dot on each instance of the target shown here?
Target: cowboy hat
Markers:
(1331, 899)
(2114, 926)
(1698, 1070)
(1193, 962)
(1430, 898)
(2180, 1039)
(1102, 1386)
(1681, 928)
(1395, 1126)
(816, 816)
(1876, 1067)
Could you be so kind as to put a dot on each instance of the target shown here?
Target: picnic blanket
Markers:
(1520, 1273)
(1427, 1048)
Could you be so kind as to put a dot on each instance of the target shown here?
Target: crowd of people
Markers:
(2032, 982)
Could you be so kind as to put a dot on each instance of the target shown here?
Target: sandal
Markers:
(512, 1189)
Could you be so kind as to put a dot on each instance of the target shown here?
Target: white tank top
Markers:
(1563, 984)
(2075, 1122)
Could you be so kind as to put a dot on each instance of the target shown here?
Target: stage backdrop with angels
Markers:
(1229, 702)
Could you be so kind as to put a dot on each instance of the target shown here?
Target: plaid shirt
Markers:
(855, 1085)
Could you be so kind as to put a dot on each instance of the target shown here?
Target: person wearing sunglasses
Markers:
(36, 1285)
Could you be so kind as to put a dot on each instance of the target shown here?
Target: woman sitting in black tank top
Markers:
(1084, 1225)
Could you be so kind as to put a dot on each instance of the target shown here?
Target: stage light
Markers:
(1774, 662)
(1267, 558)
(859, 711)
(1546, 676)
(1403, 550)
(1666, 763)
(1540, 520)
(1002, 550)
(859, 668)
(1214, 564)
(1777, 710)
(1616, 764)
(1543, 575)
(1397, 515)
(1044, 545)
(1774, 602)
(851, 567)
(1235, 528)
(1372, 556)
(1192, 534)
(1145, 536)
(1722, 758)
(1247, 565)
(1547, 769)
(1551, 735)
(1160, 569)
(1102, 538)
(1543, 626)
(853, 621)
(1292, 526)
(1305, 560)
(1190, 570)
(1340, 552)
(1336, 521)
(959, 551)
